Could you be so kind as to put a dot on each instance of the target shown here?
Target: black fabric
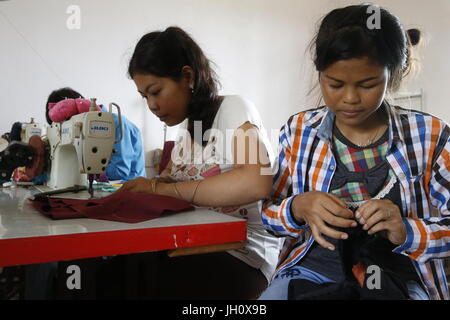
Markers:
(375, 250)
(370, 250)
(17, 154)
(390, 288)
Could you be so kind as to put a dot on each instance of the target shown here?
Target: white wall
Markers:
(259, 47)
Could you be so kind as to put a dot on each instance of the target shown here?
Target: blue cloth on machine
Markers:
(129, 162)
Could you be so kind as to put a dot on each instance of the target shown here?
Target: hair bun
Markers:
(414, 36)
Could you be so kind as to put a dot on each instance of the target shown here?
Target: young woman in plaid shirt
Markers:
(361, 182)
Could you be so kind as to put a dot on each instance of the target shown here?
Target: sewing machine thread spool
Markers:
(93, 106)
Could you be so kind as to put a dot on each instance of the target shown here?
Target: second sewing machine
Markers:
(76, 151)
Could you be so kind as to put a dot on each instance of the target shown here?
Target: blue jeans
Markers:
(278, 289)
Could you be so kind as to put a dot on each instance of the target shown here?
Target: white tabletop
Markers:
(20, 221)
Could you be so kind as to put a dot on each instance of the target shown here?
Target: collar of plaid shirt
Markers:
(323, 123)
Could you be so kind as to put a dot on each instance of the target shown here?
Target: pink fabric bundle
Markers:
(67, 108)
(123, 206)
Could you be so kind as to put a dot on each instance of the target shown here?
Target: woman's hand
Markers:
(384, 216)
(145, 185)
(320, 209)
(141, 185)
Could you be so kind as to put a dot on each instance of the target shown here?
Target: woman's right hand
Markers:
(321, 210)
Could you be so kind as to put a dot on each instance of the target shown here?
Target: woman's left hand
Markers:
(142, 185)
(385, 216)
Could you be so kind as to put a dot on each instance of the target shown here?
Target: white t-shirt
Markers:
(193, 163)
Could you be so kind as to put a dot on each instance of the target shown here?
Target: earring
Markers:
(191, 86)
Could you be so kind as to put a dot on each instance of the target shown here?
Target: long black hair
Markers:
(344, 34)
(164, 54)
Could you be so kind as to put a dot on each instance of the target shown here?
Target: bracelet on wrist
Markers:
(176, 191)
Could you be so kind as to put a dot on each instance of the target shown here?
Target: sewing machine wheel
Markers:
(17, 154)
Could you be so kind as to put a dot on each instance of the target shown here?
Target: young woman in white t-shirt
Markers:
(222, 161)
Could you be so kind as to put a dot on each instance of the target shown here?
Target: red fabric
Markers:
(38, 164)
(122, 206)
(20, 176)
(166, 154)
(359, 271)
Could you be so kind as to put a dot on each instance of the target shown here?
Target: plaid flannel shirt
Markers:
(419, 155)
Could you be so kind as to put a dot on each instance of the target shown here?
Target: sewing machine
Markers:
(30, 129)
(81, 147)
(19, 153)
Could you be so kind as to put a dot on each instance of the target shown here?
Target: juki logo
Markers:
(99, 128)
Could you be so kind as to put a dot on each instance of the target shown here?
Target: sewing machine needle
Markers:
(91, 188)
